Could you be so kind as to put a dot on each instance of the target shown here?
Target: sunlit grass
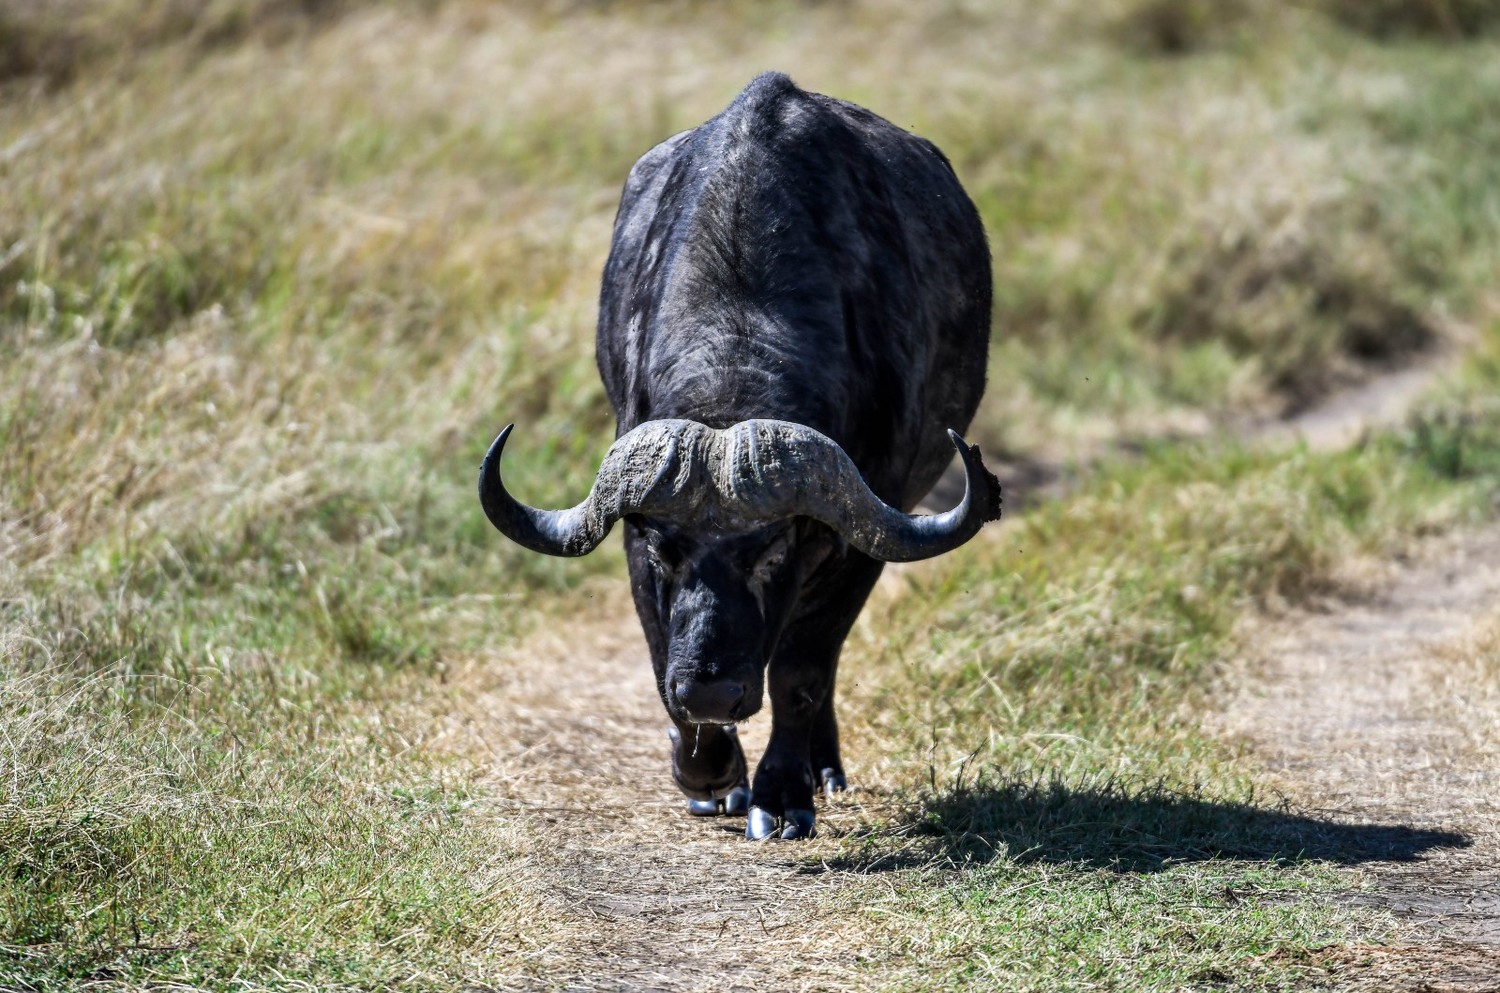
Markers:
(1079, 640)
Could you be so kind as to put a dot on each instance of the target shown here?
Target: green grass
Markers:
(1114, 600)
(272, 278)
(1189, 927)
(150, 831)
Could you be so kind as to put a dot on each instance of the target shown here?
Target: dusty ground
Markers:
(1372, 714)
(1363, 714)
(1338, 422)
(1380, 402)
(643, 896)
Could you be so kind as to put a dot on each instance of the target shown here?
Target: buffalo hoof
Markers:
(761, 825)
(833, 782)
(733, 803)
(737, 802)
(800, 825)
(704, 808)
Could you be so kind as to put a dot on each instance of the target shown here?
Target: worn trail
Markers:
(641, 895)
(1371, 713)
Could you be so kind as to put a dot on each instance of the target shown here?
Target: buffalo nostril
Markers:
(713, 700)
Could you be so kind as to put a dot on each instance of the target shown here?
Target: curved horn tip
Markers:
(973, 460)
(504, 434)
(492, 455)
(551, 532)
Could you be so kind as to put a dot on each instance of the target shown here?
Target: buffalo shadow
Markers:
(1122, 827)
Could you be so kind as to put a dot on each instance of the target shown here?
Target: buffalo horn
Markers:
(739, 478)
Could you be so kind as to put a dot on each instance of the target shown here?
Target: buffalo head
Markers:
(725, 526)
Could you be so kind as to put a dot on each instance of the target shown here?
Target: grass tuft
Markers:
(1179, 27)
(157, 840)
(1451, 19)
(1311, 297)
(56, 40)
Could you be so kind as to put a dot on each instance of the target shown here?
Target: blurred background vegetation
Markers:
(272, 273)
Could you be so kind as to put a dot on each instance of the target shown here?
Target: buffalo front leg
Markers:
(803, 750)
(708, 765)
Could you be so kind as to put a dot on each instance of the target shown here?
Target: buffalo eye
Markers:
(771, 560)
(662, 557)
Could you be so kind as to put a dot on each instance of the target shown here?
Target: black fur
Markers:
(796, 257)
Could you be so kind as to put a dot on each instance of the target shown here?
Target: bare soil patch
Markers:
(641, 895)
(1364, 713)
(1344, 416)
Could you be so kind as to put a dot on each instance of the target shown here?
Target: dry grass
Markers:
(54, 41)
(169, 826)
(392, 189)
(1185, 27)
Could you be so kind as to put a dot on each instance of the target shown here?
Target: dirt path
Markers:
(641, 896)
(1344, 417)
(1371, 713)
(1340, 421)
(1376, 714)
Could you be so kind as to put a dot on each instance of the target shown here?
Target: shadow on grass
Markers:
(1129, 829)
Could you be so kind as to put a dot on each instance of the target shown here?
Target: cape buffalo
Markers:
(793, 322)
